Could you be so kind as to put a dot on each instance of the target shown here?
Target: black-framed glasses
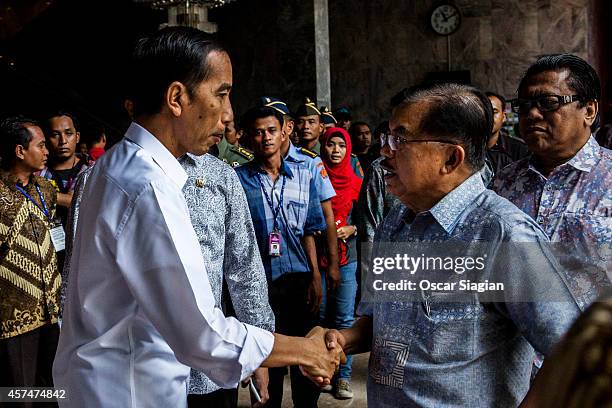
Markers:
(395, 140)
(544, 103)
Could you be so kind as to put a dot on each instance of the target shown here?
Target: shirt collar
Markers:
(587, 156)
(162, 156)
(254, 168)
(447, 210)
(293, 154)
(583, 160)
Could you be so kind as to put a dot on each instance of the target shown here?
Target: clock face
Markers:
(445, 19)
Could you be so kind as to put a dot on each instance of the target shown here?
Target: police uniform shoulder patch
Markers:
(307, 152)
(244, 153)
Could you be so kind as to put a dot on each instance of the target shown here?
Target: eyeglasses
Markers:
(544, 103)
(395, 140)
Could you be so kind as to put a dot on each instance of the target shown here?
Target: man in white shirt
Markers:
(139, 311)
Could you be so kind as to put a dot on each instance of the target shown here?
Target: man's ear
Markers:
(455, 156)
(19, 152)
(592, 107)
(78, 137)
(176, 98)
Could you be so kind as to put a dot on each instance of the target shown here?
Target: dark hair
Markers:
(354, 125)
(171, 54)
(96, 131)
(498, 96)
(14, 132)
(582, 77)
(249, 118)
(461, 113)
(63, 112)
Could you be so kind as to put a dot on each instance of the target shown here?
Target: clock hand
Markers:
(443, 15)
(452, 15)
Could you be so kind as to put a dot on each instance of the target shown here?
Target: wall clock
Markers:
(445, 19)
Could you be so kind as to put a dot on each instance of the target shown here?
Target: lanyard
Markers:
(44, 208)
(276, 211)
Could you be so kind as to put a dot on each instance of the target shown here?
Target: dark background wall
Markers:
(271, 46)
(380, 46)
(73, 52)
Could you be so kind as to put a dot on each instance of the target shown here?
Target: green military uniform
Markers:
(316, 148)
(234, 155)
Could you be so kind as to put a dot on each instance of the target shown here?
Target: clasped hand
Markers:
(323, 356)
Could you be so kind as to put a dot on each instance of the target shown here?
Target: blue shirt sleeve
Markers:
(319, 175)
(315, 221)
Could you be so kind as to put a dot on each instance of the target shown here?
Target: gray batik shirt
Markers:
(221, 219)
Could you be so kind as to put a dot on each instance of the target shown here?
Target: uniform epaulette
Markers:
(244, 152)
(307, 152)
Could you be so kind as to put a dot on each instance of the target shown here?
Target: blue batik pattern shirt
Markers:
(317, 170)
(574, 206)
(468, 354)
(299, 215)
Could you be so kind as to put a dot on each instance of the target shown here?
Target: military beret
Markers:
(307, 108)
(326, 116)
(274, 103)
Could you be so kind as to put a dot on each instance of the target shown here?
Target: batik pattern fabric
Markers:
(221, 220)
(574, 207)
(29, 279)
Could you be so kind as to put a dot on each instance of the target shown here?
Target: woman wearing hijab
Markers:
(338, 306)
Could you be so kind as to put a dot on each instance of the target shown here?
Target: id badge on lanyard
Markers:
(275, 237)
(58, 236)
(274, 243)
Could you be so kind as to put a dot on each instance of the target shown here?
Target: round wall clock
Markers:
(445, 19)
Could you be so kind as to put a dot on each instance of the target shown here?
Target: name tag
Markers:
(274, 244)
(58, 237)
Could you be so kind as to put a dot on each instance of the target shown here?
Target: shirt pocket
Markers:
(449, 325)
(296, 215)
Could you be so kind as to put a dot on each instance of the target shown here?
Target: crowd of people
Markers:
(208, 248)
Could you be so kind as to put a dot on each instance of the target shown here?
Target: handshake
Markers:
(322, 355)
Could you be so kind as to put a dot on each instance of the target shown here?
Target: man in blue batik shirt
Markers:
(430, 350)
(286, 213)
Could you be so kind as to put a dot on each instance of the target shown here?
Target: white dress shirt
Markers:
(139, 309)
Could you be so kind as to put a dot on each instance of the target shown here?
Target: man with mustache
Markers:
(29, 278)
(566, 185)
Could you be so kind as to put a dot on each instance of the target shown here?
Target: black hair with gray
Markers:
(582, 79)
(457, 112)
(259, 112)
(14, 132)
(171, 54)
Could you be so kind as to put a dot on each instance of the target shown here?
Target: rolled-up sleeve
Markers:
(161, 261)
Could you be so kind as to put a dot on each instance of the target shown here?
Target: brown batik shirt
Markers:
(29, 279)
